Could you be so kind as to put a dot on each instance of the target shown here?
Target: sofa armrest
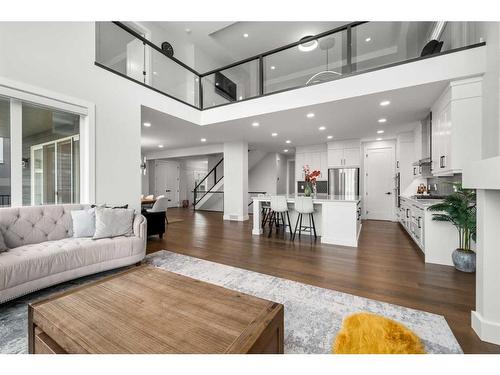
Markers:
(140, 226)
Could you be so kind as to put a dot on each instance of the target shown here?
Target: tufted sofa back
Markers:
(34, 224)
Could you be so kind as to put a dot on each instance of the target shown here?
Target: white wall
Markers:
(59, 57)
(491, 92)
(263, 176)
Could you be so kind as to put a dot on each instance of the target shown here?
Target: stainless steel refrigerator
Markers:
(343, 181)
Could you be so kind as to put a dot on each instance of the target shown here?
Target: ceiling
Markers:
(222, 43)
(344, 119)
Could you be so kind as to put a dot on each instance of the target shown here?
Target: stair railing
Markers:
(199, 195)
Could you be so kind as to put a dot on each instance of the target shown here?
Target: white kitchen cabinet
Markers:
(344, 153)
(315, 157)
(335, 158)
(352, 157)
(456, 127)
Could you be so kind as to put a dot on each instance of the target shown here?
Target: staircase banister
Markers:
(208, 174)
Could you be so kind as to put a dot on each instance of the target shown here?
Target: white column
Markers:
(483, 175)
(486, 318)
(16, 153)
(236, 181)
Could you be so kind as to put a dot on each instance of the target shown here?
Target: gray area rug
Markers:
(313, 315)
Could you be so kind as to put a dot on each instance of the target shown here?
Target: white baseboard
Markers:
(257, 231)
(486, 330)
(235, 217)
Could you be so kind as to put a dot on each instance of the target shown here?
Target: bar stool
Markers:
(265, 210)
(279, 207)
(304, 205)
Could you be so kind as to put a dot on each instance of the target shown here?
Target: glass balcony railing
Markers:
(351, 49)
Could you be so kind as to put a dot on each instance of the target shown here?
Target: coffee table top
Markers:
(149, 310)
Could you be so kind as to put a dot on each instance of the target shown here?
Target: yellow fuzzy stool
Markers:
(366, 333)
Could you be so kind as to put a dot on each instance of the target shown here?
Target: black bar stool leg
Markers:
(295, 230)
(314, 226)
(300, 225)
(289, 226)
(271, 218)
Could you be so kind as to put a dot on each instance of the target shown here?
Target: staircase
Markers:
(209, 193)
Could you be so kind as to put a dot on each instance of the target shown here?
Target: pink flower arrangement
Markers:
(310, 176)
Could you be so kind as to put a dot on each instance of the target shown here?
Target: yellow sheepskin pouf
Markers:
(366, 333)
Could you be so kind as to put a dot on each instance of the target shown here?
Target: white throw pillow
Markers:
(113, 222)
(83, 223)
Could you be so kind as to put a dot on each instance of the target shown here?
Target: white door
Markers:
(167, 181)
(136, 60)
(379, 183)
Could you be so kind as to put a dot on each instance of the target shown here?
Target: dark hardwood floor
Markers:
(386, 266)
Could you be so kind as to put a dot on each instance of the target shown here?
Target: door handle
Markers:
(388, 193)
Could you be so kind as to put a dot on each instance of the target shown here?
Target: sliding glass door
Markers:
(55, 172)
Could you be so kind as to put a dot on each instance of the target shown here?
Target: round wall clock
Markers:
(167, 48)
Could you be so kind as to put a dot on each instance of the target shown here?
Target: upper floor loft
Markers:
(350, 50)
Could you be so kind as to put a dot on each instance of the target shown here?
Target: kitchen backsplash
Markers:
(442, 185)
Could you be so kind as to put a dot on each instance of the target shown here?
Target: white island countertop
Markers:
(319, 198)
(337, 217)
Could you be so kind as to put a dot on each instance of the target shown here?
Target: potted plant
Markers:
(310, 179)
(459, 209)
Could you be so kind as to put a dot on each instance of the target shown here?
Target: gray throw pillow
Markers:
(113, 222)
(3, 246)
(83, 223)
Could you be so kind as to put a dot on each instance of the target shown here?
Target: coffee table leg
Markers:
(31, 331)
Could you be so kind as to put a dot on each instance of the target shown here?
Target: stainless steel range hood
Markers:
(426, 156)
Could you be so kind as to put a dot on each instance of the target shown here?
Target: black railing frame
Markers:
(260, 59)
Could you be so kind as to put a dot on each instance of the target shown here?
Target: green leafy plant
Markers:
(459, 209)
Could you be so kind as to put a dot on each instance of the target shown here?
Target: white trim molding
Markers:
(19, 92)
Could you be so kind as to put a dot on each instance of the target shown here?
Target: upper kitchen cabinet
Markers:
(315, 157)
(456, 127)
(344, 153)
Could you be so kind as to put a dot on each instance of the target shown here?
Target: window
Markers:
(47, 147)
(50, 153)
(5, 183)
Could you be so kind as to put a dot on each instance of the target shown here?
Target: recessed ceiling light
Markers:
(288, 141)
(160, 146)
(381, 120)
(188, 30)
(203, 140)
(379, 139)
(380, 132)
(368, 39)
(245, 35)
(155, 73)
(310, 115)
(272, 67)
(321, 128)
(285, 150)
(255, 124)
(308, 46)
(147, 124)
(383, 103)
(274, 134)
(330, 137)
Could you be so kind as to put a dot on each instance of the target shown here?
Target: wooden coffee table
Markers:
(148, 310)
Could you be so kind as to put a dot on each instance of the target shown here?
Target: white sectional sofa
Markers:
(42, 251)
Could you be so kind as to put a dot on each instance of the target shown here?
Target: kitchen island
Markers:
(337, 218)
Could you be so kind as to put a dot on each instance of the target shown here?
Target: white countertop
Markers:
(319, 199)
(422, 202)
